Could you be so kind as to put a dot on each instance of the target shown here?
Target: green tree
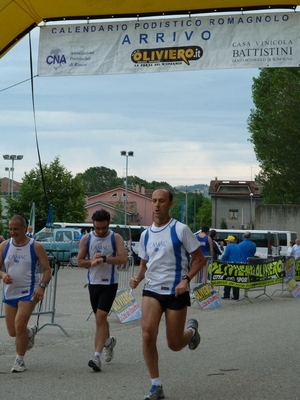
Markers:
(64, 191)
(204, 213)
(274, 126)
(99, 179)
(191, 202)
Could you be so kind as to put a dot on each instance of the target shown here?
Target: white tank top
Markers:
(20, 262)
(104, 274)
(166, 250)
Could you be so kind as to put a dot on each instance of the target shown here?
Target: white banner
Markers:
(181, 44)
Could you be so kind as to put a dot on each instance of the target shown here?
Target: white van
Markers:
(285, 237)
(136, 231)
(267, 242)
(123, 230)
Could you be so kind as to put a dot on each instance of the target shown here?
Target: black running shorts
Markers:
(102, 296)
(170, 301)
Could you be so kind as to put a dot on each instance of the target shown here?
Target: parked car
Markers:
(60, 243)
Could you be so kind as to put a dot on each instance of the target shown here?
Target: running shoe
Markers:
(109, 350)
(19, 366)
(95, 363)
(156, 392)
(195, 340)
(34, 330)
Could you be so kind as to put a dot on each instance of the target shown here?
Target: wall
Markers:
(280, 217)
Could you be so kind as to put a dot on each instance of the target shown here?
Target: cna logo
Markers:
(55, 59)
(167, 55)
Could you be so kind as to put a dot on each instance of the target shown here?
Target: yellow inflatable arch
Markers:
(18, 17)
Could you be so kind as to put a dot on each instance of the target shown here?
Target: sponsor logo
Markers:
(186, 54)
(55, 59)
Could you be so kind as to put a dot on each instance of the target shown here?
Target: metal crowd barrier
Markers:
(204, 275)
(289, 269)
(47, 306)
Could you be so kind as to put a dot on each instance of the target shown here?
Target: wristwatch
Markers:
(187, 278)
(43, 285)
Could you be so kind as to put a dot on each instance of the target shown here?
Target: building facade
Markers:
(139, 205)
(234, 203)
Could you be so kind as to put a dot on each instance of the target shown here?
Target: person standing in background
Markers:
(30, 232)
(289, 250)
(83, 231)
(206, 243)
(296, 249)
(232, 253)
(206, 246)
(217, 250)
(247, 247)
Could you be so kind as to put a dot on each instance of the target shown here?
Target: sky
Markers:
(185, 128)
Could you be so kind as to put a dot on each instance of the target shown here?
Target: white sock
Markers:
(108, 342)
(97, 354)
(193, 330)
(156, 381)
(30, 332)
(21, 358)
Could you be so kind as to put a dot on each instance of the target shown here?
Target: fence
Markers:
(255, 275)
(47, 306)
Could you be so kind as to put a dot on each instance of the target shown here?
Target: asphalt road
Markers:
(248, 351)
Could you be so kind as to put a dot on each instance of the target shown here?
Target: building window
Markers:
(233, 214)
(114, 195)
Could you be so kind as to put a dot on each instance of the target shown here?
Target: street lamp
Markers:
(12, 157)
(251, 223)
(126, 154)
(8, 184)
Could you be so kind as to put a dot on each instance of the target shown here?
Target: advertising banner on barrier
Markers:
(126, 307)
(297, 269)
(246, 276)
(205, 296)
(293, 287)
(170, 44)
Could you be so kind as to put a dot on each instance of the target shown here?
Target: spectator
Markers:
(216, 247)
(206, 243)
(296, 249)
(30, 232)
(232, 254)
(289, 250)
(83, 231)
(247, 247)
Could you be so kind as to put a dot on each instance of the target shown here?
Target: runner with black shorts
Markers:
(165, 249)
(101, 251)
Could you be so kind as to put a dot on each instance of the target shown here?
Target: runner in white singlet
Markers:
(22, 285)
(165, 249)
(102, 251)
